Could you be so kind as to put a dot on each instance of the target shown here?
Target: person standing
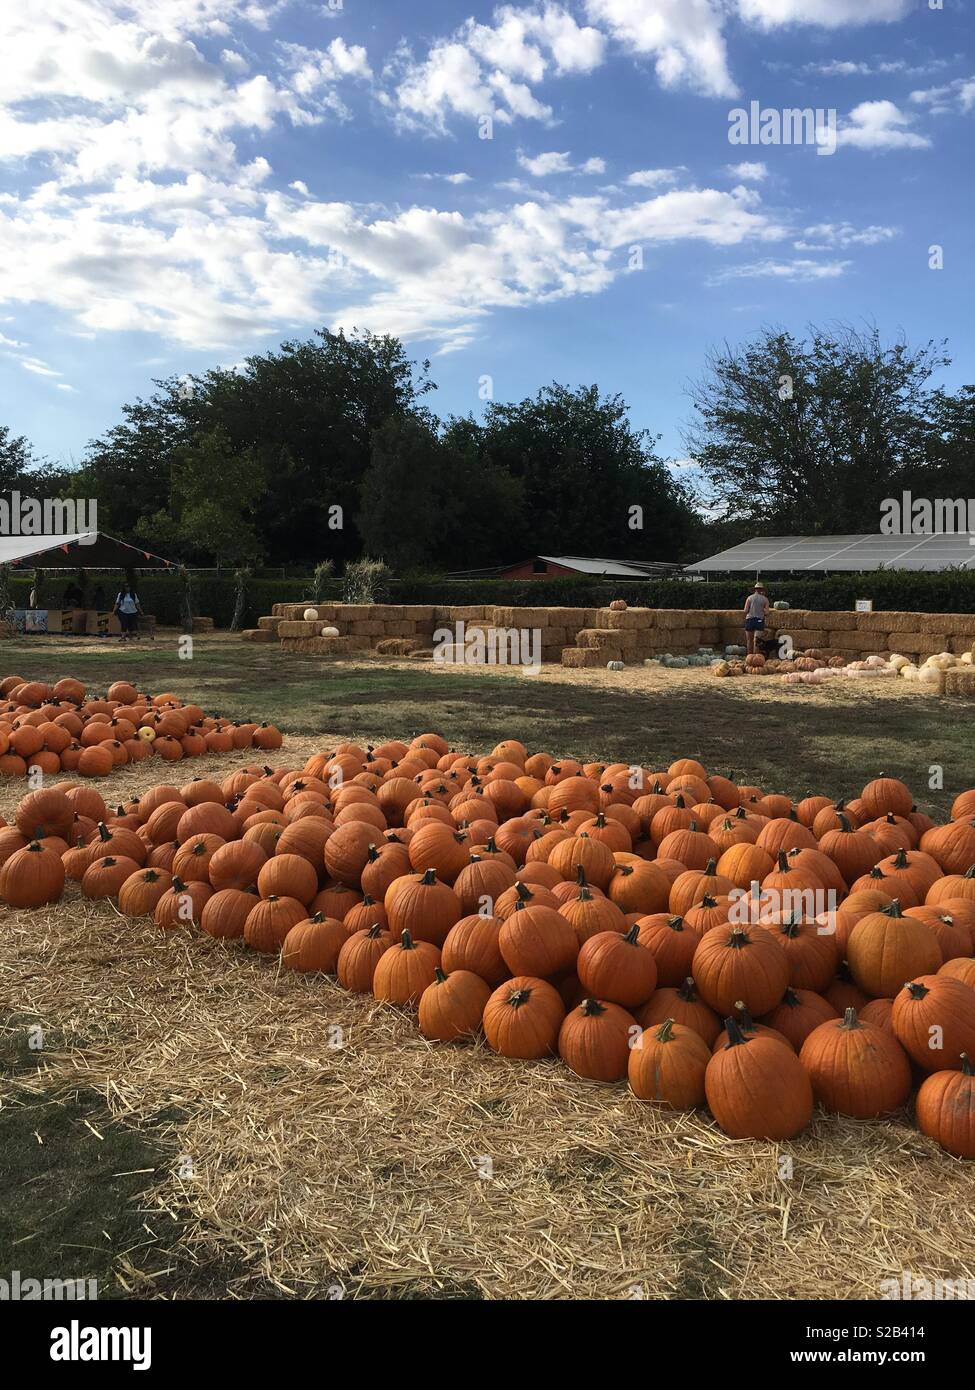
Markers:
(128, 607)
(756, 607)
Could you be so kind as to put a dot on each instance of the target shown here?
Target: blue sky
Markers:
(185, 182)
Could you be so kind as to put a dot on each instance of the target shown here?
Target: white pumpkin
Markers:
(311, 615)
(898, 661)
(330, 632)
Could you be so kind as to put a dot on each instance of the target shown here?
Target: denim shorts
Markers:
(754, 624)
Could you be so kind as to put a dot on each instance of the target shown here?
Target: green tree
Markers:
(810, 436)
(213, 492)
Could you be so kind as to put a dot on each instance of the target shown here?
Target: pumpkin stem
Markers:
(525, 894)
(744, 1016)
(966, 1064)
(688, 991)
(581, 879)
(180, 887)
(430, 877)
(894, 910)
(739, 939)
(710, 867)
(845, 823)
(517, 997)
(850, 1019)
(104, 831)
(592, 1007)
(490, 846)
(439, 976)
(916, 989)
(735, 1035)
(901, 860)
(791, 998)
(708, 901)
(375, 930)
(665, 1033)
(783, 862)
(679, 801)
(632, 936)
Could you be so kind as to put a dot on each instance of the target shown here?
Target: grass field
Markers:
(187, 1128)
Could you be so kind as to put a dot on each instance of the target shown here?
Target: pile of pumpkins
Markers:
(707, 941)
(65, 728)
(932, 670)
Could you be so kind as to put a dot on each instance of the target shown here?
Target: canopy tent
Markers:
(850, 554)
(89, 550)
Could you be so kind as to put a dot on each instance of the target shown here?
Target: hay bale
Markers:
(837, 622)
(269, 624)
(257, 634)
(298, 628)
(920, 640)
(590, 656)
(321, 646)
(422, 654)
(632, 619)
(806, 637)
(397, 645)
(400, 629)
(902, 622)
(597, 639)
(418, 612)
(960, 683)
(958, 645)
(367, 627)
(959, 625)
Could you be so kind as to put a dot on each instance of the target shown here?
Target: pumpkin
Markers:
(270, 920)
(953, 936)
(887, 795)
(236, 864)
(405, 970)
(933, 1017)
(452, 1006)
(104, 877)
(384, 864)
(358, 958)
(538, 941)
(43, 813)
(856, 1068)
(812, 954)
(181, 905)
(225, 914)
(671, 943)
(854, 852)
(347, 851)
(32, 876)
(192, 860)
(695, 884)
(733, 963)
(520, 895)
(797, 1014)
(591, 916)
(141, 891)
(960, 968)
(522, 1018)
(757, 1088)
(667, 1065)
(744, 864)
(917, 870)
(886, 948)
(951, 886)
(594, 1040)
(423, 906)
(479, 885)
(952, 846)
(684, 1006)
(580, 851)
(472, 946)
(288, 876)
(314, 945)
(618, 967)
(945, 1109)
(640, 887)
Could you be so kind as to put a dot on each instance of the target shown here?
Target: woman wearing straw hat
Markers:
(756, 606)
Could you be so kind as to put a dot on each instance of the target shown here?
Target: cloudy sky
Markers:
(525, 192)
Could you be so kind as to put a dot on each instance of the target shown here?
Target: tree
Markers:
(591, 483)
(810, 436)
(303, 415)
(212, 495)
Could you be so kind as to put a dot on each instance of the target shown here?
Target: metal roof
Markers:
(941, 551)
(631, 569)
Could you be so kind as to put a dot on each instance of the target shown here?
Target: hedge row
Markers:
(951, 591)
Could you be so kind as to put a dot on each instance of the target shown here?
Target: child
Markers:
(756, 606)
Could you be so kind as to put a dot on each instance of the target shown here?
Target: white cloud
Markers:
(880, 125)
(455, 179)
(301, 187)
(827, 236)
(592, 166)
(683, 37)
(796, 271)
(827, 14)
(542, 165)
(63, 386)
(654, 178)
(749, 172)
(491, 69)
(39, 368)
(957, 96)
